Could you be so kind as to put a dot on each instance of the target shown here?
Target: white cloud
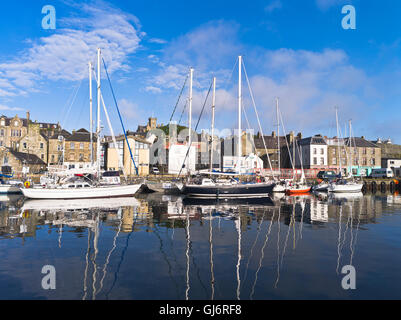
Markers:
(64, 55)
(8, 108)
(157, 40)
(128, 109)
(327, 4)
(153, 89)
(273, 5)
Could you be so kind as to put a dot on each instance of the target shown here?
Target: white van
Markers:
(382, 173)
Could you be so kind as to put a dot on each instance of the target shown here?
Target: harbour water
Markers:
(164, 247)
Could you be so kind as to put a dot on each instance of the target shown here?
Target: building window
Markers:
(373, 161)
(53, 158)
(365, 151)
(373, 151)
(315, 161)
(321, 151)
(333, 151)
(322, 161)
(5, 160)
(72, 145)
(59, 147)
(41, 145)
(81, 146)
(334, 161)
(3, 123)
(42, 156)
(16, 123)
(314, 151)
(364, 162)
(81, 157)
(2, 132)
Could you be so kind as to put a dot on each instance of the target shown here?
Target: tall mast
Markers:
(213, 112)
(191, 76)
(338, 142)
(98, 111)
(350, 149)
(239, 111)
(91, 110)
(278, 140)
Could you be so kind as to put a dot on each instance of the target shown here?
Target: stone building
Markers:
(365, 155)
(77, 150)
(34, 142)
(271, 144)
(12, 130)
(56, 147)
(143, 130)
(20, 160)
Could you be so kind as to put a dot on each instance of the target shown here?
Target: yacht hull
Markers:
(87, 193)
(77, 204)
(9, 189)
(351, 188)
(257, 190)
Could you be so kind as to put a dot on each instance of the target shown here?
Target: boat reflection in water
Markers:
(169, 247)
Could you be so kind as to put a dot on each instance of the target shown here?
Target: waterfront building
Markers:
(77, 150)
(272, 147)
(120, 153)
(35, 141)
(12, 130)
(56, 146)
(390, 155)
(21, 162)
(365, 155)
(311, 152)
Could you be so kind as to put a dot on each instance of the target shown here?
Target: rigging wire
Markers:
(196, 127)
(121, 120)
(179, 98)
(257, 116)
(72, 102)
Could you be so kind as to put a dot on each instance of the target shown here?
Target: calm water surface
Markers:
(164, 247)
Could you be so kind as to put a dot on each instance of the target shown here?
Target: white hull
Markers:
(322, 187)
(6, 188)
(77, 204)
(279, 188)
(345, 188)
(84, 193)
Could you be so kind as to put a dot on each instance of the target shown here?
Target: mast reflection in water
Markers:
(166, 247)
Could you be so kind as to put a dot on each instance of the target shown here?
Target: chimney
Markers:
(274, 134)
(27, 116)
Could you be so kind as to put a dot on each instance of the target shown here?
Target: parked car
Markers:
(326, 175)
(382, 173)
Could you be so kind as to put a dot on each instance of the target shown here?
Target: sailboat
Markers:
(298, 187)
(223, 189)
(347, 184)
(75, 188)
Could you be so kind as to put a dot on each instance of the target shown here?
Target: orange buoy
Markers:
(27, 184)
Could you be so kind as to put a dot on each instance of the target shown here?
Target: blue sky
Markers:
(296, 50)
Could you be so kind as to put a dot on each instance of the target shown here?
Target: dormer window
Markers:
(16, 123)
(3, 122)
